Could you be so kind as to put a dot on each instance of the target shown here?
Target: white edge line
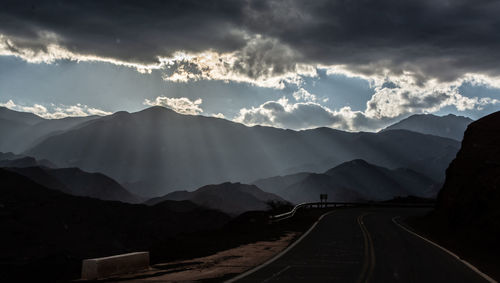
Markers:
(282, 253)
(472, 267)
(277, 274)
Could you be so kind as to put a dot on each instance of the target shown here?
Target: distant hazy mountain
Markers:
(19, 117)
(449, 126)
(77, 182)
(9, 156)
(351, 181)
(69, 180)
(277, 183)
(7, 160)
(20, 130)
(231, 198)
(50, 232)
(156, 151)
(379, 183)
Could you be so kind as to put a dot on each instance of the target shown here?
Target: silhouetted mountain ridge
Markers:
(356, 180)
(77, 182)
(19, 117)
(23, 161)
(69, 180)
(231, 198)
(449, 126)
(156, 151)
(21, 130)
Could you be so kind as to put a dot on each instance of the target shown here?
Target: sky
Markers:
(356, 65)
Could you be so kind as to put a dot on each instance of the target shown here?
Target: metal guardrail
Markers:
(309, 205)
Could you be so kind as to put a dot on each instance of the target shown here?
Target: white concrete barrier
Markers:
(96, 268)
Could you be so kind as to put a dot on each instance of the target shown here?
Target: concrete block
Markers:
(96, 268)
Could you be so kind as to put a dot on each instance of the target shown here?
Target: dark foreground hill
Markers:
(157, 151)
(467, 218)
(355, 180)
(47, 233)
(231, 198)
(449, 126)
(76, 182)
(470, 196)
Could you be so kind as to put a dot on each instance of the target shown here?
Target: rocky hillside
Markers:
(471, 194)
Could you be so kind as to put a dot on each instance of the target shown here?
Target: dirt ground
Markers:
(217, 266)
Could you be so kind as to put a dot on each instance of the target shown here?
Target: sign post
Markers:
(323, 198)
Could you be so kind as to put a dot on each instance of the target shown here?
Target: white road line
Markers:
(472, 267)
(277, 274)
(369, 257)
(282, 253)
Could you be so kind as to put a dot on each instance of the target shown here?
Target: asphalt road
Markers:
(364, 245)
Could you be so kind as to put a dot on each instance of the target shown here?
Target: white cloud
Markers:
(304, 95)
(9, 104)
(98, 112)
(307, 115)
(266, 62)
(394, 98)
(54, 52)
(262, 62)
(180, 105)
(219, 115)
(281, 113)
(405, 96)
(56, 112)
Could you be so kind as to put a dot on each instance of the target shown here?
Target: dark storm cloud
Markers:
(431, 38)
(133, 31)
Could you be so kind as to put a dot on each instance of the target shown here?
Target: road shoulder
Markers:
(409, 229)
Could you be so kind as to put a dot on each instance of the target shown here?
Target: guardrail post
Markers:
(97, 268)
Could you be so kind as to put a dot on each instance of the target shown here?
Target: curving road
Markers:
(364, 245)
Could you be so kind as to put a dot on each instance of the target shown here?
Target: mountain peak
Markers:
(121, 113)
(20, 117)
(449, 126)
(355, 163)
(232, 198)
(157, 108)
(358, 162)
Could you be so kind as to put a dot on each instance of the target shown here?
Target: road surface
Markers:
(364, 245)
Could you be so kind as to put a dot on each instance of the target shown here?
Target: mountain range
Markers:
(230, 198)
(449, 126)
(76, 182)
(20, 130)
(356, 180)
(157, 151)
(13, 160)
(72, 181)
